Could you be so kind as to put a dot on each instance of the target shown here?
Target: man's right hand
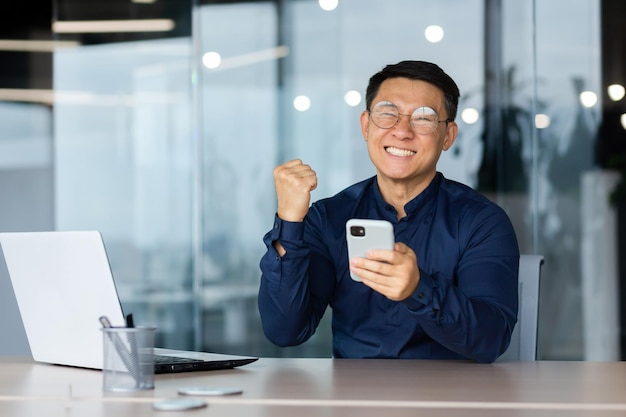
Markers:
(294, 182)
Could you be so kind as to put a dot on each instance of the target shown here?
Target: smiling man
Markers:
(448, 289)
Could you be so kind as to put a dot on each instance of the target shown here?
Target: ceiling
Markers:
(32, 20)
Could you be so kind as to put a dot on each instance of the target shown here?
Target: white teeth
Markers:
(399, 152)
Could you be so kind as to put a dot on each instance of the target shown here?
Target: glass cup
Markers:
(128, 358)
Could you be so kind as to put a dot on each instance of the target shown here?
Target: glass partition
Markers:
(124, 154)
(567, 86)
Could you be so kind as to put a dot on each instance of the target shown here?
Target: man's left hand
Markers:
(394, 274)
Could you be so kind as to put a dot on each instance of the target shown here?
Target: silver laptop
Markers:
(63, 284)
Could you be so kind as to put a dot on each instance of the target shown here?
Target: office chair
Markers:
(523, 345)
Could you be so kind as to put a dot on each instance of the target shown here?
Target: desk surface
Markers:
(323, 387)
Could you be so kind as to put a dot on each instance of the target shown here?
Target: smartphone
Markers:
(363, 235)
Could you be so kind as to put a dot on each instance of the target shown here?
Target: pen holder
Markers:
(128, 358)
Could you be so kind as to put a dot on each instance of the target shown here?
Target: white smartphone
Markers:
(363, 235)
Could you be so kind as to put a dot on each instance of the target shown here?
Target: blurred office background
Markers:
(159, 122)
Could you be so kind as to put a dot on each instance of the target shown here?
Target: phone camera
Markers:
(357, 230)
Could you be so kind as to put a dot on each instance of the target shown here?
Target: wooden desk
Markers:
(326, 387)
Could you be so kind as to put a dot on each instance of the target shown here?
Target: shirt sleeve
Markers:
(290, 308)
(474, 312)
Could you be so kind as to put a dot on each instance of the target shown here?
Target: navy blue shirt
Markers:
(465, 306)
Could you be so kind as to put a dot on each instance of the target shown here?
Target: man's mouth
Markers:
(399, 152)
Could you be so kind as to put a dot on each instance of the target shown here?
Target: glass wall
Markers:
(125, 152)
(572, 193)
(166, 143)
(26, 191)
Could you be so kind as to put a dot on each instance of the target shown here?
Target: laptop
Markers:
(63, 284)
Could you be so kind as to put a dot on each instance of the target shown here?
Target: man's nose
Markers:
(404, 122)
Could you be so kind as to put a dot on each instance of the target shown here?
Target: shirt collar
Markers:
(425, 198)
(421, 201)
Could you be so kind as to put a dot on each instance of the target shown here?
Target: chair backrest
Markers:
(523, 345)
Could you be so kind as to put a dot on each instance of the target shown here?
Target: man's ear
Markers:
(451, 132)
(365, 124)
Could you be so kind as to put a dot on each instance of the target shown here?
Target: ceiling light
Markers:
(352, 98)
(34, 45)
(211, 60)
(588, 98)
(27, 95)
(113, 26)
(328, 5)
(616, 92)
(433, 33)
(542, 121)
(302, 103)
(470, 115)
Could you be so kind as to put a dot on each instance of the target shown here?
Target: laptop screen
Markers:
(63, 284)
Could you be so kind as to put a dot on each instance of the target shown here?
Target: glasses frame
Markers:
(446, 121)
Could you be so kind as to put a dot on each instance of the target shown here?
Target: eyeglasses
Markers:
(423, 120)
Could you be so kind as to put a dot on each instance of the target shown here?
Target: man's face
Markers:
(401, 153)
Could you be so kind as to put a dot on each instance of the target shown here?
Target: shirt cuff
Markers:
(424, 293)
(289, 234)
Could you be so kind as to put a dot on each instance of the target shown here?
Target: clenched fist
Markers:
(294, 182)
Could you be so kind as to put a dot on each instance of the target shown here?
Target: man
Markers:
(448, 290)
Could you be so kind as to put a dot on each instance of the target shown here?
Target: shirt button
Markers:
(420, 295)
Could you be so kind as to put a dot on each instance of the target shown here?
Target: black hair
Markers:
(417, 70)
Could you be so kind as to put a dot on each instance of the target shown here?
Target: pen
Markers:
(122, 351)
(132, 339)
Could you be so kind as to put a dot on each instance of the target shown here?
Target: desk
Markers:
(326, 387)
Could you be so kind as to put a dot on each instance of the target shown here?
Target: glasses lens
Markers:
(384, 114)
(424, 120)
